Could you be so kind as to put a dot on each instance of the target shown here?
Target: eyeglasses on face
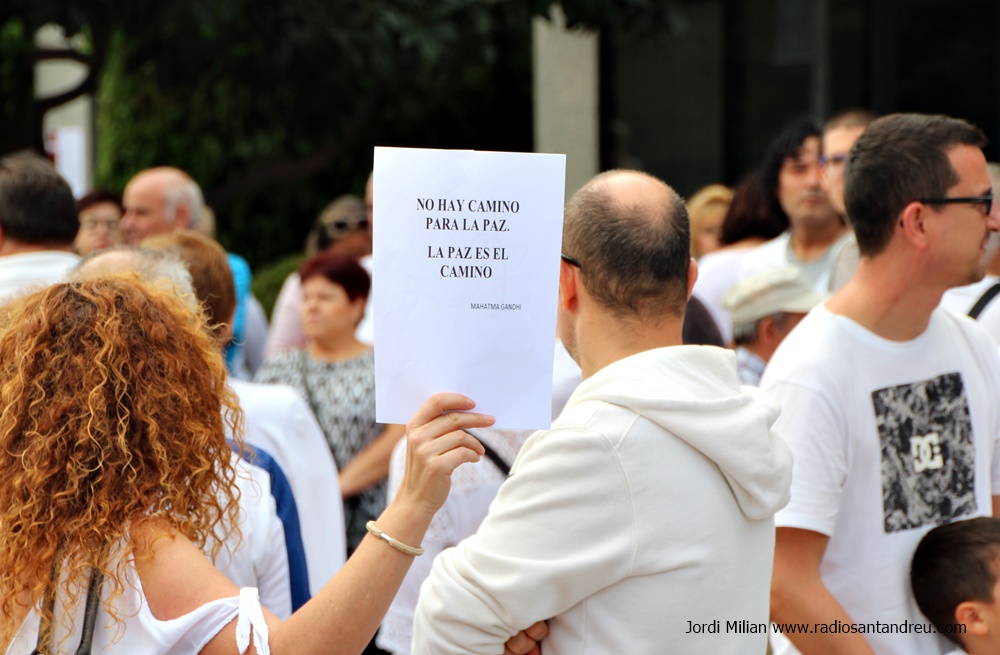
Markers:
(570, 260)
(833, 160)
(96, 224)
(986, 201)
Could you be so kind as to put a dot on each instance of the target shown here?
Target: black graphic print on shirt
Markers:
(928, 452)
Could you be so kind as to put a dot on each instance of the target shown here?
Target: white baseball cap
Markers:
(769, 292)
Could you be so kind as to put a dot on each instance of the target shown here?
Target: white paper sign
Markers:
(465, 280)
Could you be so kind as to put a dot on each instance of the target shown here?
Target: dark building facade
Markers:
(699, 105)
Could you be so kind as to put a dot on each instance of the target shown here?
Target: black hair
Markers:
(898, 159)
(952, 564)
(36, 203)
(787, 145)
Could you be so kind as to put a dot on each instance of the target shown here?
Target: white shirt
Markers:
(280, 422)
(778, 253)
(258, 558)
(960, 300)
(718, 272)
(889, 439)
(30, 271)
(144, 633)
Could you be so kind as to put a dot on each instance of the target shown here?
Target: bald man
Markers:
(160, 200)
(645, 514)
(164, 199)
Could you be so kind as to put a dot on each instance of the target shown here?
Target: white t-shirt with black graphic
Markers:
(889, 439)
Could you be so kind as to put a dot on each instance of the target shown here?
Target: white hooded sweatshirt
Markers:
(641, 523)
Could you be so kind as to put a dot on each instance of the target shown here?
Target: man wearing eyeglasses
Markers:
(980, 300)
(888, 403)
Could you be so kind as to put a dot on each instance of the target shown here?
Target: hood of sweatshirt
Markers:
(693, 392)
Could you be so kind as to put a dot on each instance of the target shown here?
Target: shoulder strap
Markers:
(301, 362)
(44, 643)
(90, 613)
(984, 300)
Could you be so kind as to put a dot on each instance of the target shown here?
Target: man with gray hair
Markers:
(38, 224)
(165, 199)
(645, 514)
(765, 307)
(160, 200)
(150, 265)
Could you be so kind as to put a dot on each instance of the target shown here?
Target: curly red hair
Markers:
(113, 411)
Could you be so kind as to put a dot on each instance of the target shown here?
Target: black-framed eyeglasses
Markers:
(570, 260)
(986, 201)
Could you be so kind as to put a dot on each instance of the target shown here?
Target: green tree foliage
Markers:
(274, 106)
(21, 120)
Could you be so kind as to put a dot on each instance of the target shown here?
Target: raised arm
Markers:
(344, 615)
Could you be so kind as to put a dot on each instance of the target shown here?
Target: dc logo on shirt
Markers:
(928, 452)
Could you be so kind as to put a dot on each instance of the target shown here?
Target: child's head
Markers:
(954, 579)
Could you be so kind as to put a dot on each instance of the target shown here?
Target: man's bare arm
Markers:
(798, 595)
(371, 465)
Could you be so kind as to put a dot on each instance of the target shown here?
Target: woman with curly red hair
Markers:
(116, 471)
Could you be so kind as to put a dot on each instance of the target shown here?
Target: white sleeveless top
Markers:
(141, 632)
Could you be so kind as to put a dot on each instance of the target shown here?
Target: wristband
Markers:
(395, 543)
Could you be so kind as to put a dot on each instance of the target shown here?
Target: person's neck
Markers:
(810, 242)
(336, 349)
(976, 645)
(605, 339)
(759, 349)
(886, 302)
(743, 244)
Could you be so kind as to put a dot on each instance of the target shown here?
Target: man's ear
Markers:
(692, 276)
(567, 285)
(767, 329)
(969, 614)
(182, 217)
(913, 221)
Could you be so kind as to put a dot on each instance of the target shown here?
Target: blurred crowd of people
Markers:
(767, 399)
